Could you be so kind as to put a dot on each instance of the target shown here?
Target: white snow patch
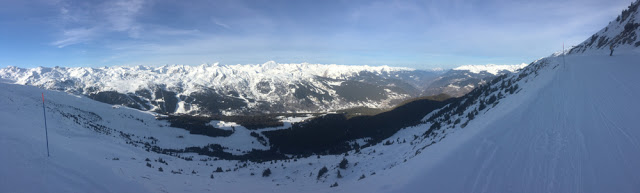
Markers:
(491, 68)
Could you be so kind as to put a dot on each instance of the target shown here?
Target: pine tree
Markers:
(322, 171)
(266, 172)
(482, 105)
(343, 163)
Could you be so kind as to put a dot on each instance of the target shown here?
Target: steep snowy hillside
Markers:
(572, 128)
(97, 147)
(621, 35)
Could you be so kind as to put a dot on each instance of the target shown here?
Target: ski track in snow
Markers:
(577, 133)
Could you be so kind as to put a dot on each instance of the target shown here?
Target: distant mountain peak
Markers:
(492, 68)
(240, 88)
(244, 88)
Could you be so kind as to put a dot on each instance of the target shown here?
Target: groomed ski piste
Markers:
(572, 129)
(570, 125)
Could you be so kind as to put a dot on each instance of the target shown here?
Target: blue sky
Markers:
(418, 34)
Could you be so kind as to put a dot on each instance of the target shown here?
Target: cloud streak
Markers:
(121, 16)
(75, 36)
(84, 22)
(215, 21)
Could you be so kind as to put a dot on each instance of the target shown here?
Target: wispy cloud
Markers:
(84, 22)
(219, 23)
(161, 31)
(121, 16)
(75, 36)
(411, 32)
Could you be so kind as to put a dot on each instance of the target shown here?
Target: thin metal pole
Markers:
(45, 124)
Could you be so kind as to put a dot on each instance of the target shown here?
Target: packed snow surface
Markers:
(572, 129)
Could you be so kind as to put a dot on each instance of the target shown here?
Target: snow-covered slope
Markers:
(621, 35)
(563, 129)
(570, 128)
(561, 124)
(79, 161)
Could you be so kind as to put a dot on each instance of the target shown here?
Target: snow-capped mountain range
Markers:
(248, 89)
(564, 123)
(491, 68)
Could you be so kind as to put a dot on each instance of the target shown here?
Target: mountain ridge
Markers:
(555, 126)
(241, 89)
(620, 34)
